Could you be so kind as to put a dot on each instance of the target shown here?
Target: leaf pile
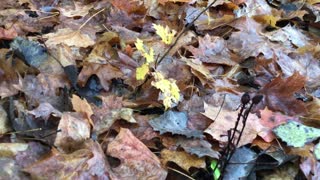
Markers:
(115, 89)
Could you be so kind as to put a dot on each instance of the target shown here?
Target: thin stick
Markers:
(181, 173)
(183, 31)
(91, 18)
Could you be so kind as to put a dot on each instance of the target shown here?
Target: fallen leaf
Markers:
(69, 37)
(87, 162)
(198, 147)
(111, 110)
(241, 164)
(226, 120)
(45, 110)
(74, 130)
(82, 106)
(213, 49)
(4, 122)
(105, 72)
(182, 159)
(175, 123)
(278, 95)
(77, 9)
(8, 34)
(310, 168)
(269, 120)
(11, 149)
(136, 159)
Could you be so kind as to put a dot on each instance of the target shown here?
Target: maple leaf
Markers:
(169, 89)
(165, 33)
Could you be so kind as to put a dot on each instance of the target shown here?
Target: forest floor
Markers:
(159, 89)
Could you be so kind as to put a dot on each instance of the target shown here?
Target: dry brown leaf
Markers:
(78, 9)
(136, 159)
(69, 37)
(74, 131)
(110, 111)
(44, 110)
(105, 72)
(182, 159)
(226, 120)
(86, 163)
(82, 106)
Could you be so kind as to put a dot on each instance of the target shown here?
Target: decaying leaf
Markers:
(82, 106)
(74, 130)
(182, 159)
(269, 120)
(175, 123)
(226, 120)
(69, 37)
(88, 162)
(241, 164)
(278, 95)
(110, 111)
(136, 159)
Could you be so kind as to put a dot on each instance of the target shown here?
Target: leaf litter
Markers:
(157, 89)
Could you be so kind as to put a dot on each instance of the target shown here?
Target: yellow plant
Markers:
(169, 90)
(165, 33)
(143, 70)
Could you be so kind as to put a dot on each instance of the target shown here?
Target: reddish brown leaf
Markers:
(278, 95)
(136, 159)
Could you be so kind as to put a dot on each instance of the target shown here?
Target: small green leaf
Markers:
(216, 173)
(296, 134)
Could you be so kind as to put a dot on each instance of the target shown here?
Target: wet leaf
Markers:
(241, 164)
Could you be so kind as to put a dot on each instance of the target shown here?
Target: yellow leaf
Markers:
(169, 89)
(148, 54)
(267, 19)
(165, 33)
(142, 71)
